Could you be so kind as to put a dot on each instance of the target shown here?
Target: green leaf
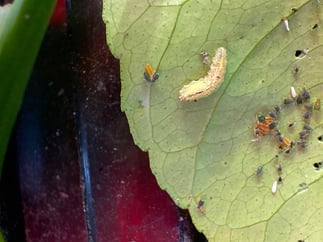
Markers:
(204, 149)
(22, 27)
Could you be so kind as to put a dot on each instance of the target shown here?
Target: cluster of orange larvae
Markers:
(265, 124)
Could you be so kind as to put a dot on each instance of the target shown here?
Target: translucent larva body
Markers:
(209, 83)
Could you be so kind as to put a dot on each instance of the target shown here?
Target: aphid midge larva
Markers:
(209, 83)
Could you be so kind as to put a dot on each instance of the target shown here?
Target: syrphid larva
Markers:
(209, 83)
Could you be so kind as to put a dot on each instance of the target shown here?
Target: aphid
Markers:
(200, 204)
(318, 165)
(294, 10)
(317, 104)
(285, 23)
(288, 101)
(307, 115)
(209, 83)
(277, 109)
(261, 118)
(272, 114)
(205, 57)
(305, 94)
(280, 180)
(299, 99)
(279, 136)
(279, 168)
(307, 127)
(293, 92)
(149, 74)
(272, 125)
(303, 134)
(308, 106)
(315, 26)
(274, 187)
(259, 171)
(320, 138)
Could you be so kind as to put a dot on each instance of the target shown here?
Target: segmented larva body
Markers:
(209, 83)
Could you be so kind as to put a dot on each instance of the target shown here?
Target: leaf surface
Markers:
(204, 149)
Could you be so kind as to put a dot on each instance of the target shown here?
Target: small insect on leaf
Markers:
(288, 101)
(209, 83)
(150, 75)
(259, 171)
(205, 57)
(307, 115)
(200, 205)
(305, 94)
(279, 168)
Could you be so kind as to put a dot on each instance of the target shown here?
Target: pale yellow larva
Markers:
(209, 83)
